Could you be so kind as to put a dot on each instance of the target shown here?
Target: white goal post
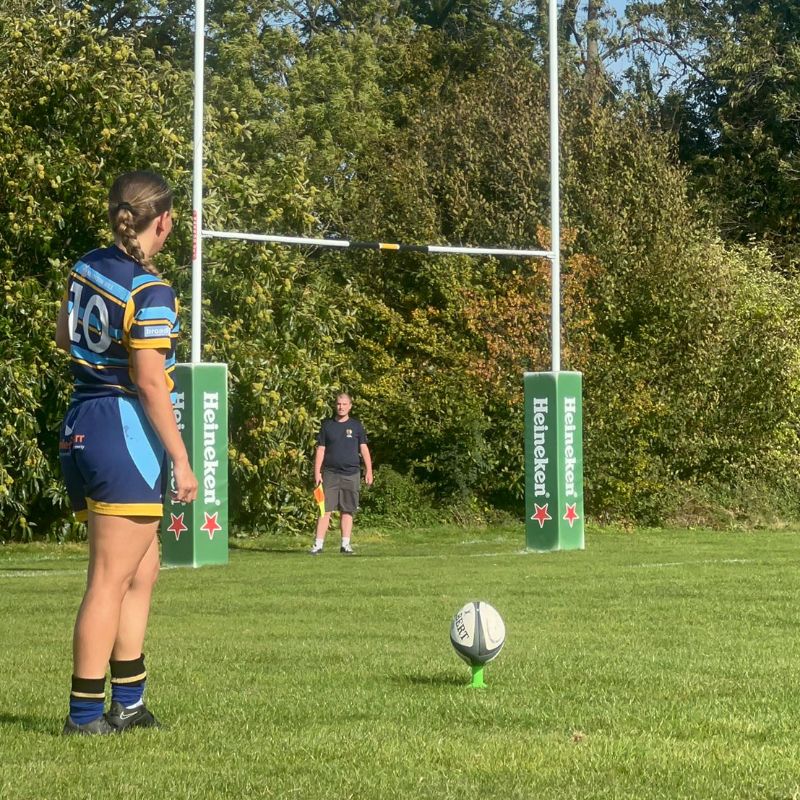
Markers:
(199, 232)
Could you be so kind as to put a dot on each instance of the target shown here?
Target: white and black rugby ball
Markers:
(477, 632)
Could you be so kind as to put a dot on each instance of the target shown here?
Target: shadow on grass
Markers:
(431, 679)
(279, 550)
(30, 723)
(285, 551)
(26, 568)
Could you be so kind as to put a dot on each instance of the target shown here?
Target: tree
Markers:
(395, 130)
(735, 103)
(76, 106)
(657, 313)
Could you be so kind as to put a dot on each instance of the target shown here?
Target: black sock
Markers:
(127, 681)
(86, 699)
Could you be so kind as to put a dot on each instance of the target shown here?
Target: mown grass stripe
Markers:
(285, 676)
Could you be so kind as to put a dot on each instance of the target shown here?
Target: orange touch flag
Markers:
(319, 497)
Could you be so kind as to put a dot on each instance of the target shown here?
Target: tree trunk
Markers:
(593, 65)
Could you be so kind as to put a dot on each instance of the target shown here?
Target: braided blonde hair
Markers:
(135, 200)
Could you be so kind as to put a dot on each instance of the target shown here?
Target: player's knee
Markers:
(109, 583)
(146, 576)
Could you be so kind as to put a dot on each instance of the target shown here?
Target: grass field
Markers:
(651, 665)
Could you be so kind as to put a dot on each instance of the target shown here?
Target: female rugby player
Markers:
(119, 324)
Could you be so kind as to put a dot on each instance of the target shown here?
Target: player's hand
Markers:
(185, 490)
(368, 477)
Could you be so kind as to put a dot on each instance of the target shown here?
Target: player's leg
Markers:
(117, 546)
(135, 609)
(128, 673)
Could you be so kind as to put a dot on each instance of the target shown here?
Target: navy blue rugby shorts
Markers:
(112, 460)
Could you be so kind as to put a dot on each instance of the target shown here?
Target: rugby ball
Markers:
(477, 632)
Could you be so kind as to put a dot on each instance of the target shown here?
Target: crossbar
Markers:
(344, 244)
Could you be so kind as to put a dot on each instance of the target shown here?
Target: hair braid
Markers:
(135, 200)
(123, 228)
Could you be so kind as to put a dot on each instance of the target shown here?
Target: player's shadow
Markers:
(50, 569)
(431, 679)
(30, 723)
(283, 551)
(27, 569)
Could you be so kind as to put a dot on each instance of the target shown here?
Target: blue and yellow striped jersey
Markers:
(116, 306)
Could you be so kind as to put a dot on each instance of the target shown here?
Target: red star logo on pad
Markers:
(541, 515)
(211, 525)
(176, 526)
(571, 514)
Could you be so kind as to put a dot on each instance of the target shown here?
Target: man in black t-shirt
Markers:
(341, 443)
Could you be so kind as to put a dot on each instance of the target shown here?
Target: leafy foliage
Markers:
(397, 500)
(416, 122)
(735, 105)
(76, 106)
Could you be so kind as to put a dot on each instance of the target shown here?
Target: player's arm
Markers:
(365, 454)
(62, 328)
(148, 375)
(319, 457)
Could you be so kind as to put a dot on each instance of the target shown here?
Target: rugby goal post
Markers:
(553, 400)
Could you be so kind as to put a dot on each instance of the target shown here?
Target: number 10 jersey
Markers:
(116, 306)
